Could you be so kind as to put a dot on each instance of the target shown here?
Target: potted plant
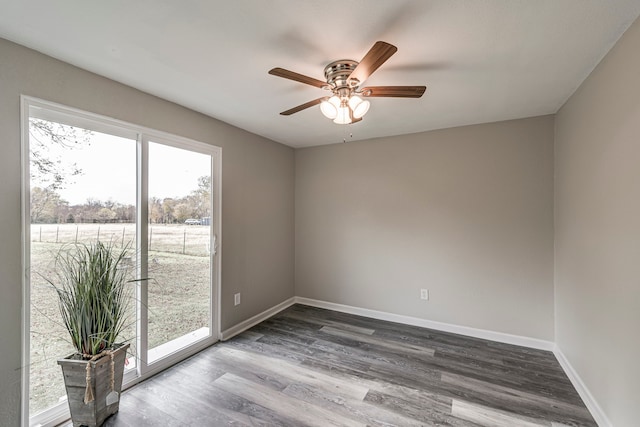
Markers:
(94, 292)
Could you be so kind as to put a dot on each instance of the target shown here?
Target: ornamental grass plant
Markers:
(93, 283)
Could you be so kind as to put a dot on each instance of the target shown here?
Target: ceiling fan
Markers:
(343, 80)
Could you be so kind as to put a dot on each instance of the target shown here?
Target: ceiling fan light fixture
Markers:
(329, 107)
(358, 106)
(344, 116)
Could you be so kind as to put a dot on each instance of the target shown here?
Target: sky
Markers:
(108, 166)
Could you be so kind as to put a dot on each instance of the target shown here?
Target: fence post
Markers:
(98, 233)
(40, 234)
(150, 237)
(122, 245)
(57, 232)
(76, 234)
(184, 241)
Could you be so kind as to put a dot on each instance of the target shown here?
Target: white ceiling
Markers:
(481, 60)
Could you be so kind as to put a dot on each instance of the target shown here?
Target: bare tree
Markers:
(156, 215)
(106, 215)
(50, 170)
(47, 206)
(168, 208)
(202, 196)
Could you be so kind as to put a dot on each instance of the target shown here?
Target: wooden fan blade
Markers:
(354, 121)
(377, 55)
(281, 72)
(302, 107)
(394, 91)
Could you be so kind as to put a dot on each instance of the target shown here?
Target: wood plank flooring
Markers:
(314, 367)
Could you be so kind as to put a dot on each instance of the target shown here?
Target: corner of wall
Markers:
(590, 402)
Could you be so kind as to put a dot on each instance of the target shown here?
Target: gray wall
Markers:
(257, 191)
(597, 230)
(465, 212)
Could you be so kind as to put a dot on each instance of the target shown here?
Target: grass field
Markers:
(178, 293)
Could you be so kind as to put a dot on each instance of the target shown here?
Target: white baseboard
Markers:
(243, 326)
(592, 405)
(440, 326)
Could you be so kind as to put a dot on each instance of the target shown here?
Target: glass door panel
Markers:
(82, 187)
(179, 249)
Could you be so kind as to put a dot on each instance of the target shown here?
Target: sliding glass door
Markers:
(89, 178)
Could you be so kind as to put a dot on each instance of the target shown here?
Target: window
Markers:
(89, 178)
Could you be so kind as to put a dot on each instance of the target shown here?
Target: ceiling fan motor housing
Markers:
(337, 74)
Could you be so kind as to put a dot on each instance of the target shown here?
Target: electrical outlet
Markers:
(236, 299)
(424, 294)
